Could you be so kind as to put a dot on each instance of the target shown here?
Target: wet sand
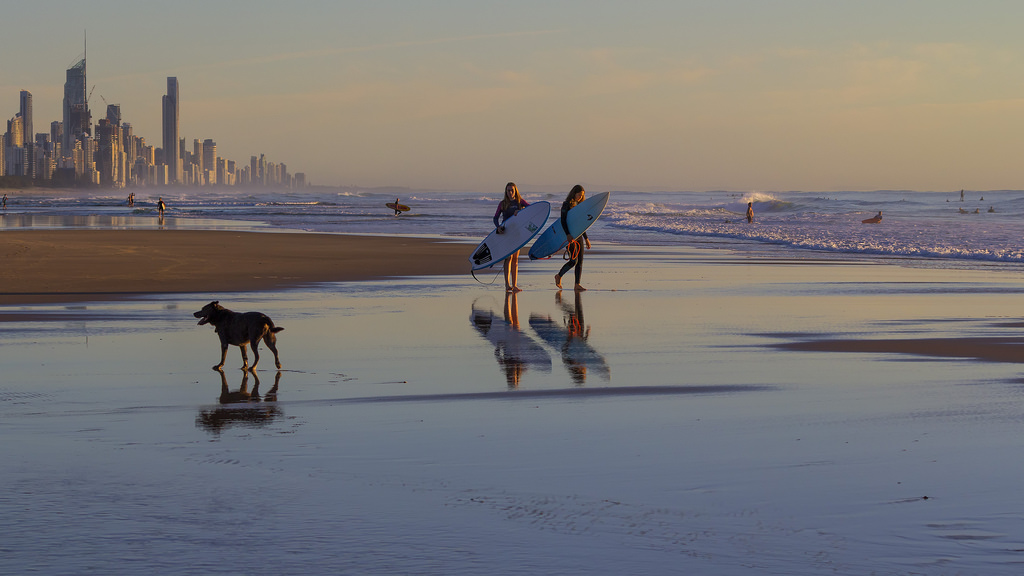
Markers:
(693, 412)
(80, 265)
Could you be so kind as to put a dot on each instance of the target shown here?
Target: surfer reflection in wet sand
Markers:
(514, 350)
(243, 407)
(579, 357)
(574, 251)
(511, 203)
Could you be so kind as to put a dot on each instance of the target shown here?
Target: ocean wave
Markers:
(909, 241)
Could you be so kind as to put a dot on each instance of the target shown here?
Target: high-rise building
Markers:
(29, 134)
(210, 162)
(57, 137)
(197, 153)
(77, 119)
(114, 114)
(172, 157)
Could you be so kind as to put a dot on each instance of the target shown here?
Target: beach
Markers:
(74, 265)
(694, 411)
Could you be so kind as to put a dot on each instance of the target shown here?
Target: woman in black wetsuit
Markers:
(575, 247)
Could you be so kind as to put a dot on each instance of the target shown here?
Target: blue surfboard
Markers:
(579, 218)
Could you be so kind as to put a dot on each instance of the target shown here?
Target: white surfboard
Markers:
(519, 230)
(579, 218)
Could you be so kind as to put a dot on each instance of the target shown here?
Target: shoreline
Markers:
(52, 266)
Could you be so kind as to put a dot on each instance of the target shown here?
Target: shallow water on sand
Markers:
(425, 426)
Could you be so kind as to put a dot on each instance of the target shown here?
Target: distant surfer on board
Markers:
(511, 203)
(574, 251)
(874, 219)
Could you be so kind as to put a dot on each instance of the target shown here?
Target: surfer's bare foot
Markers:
(580, 288)
(558, 280)
(517, 289)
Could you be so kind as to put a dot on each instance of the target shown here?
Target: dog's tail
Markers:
(276, 329)
(270, 324)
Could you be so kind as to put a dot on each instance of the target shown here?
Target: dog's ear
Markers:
(215, 303)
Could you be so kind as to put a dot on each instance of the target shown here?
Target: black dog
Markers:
(240, 329)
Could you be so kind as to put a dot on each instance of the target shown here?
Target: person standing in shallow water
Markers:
(750, 212)
(510, 204)
(574, 250)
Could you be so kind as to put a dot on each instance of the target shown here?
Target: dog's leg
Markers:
(271, 341)
(223, 355)
(245, 357)
(255, 352)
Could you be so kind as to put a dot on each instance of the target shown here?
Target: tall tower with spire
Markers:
(77, 119)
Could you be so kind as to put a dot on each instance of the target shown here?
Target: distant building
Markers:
(210, 162)
(77, 119)
(57, 137)
(172, 158)
(29, 134)
(14, 145)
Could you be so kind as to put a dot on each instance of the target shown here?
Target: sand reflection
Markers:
(514, 350)
(570, 337)
(242, 407)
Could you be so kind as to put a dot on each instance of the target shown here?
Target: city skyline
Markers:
(75, 152)
(736, 94)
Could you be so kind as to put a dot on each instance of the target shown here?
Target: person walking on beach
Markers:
(510, 204)
(574, 251)
(160, 206)
(750, 212)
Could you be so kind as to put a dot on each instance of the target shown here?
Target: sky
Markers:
(743, 95)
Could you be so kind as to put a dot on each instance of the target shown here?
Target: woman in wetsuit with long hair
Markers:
(575, 247)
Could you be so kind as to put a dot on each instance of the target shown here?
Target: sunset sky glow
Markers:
(646, 95)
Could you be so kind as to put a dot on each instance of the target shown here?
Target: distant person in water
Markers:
(510, 204)
(5, 201)
(160, 206)
(874, 219)
(397, 211)
(750, 212)
(574, 250)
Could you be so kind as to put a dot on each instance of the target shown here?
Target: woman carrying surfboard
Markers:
(507, 208)
(575, 248)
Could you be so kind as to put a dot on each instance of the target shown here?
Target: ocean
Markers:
(928, 229)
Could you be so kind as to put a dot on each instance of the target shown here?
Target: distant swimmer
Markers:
(750, 212)
(874, 219)
(991, 209)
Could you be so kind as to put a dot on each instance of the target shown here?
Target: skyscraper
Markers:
(29, 135)
(210, 162)
(172, 157)
(77, 119)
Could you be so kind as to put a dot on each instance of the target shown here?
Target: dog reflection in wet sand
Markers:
(242, 407)
(240, 329)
